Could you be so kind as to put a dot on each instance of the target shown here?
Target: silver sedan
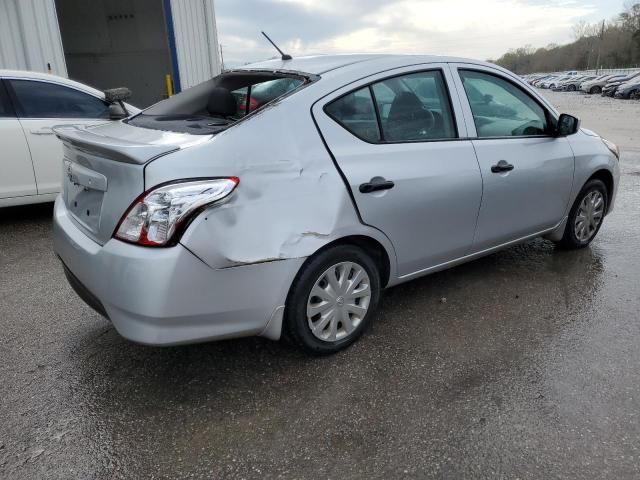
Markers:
(281, 198)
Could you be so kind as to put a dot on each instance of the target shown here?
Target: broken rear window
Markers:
(216, 104)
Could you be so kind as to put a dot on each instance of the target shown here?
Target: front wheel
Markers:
(572, 88)
(586, 215)
(595, 90)
(332, 300)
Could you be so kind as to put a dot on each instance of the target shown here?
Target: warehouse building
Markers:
(154, 47)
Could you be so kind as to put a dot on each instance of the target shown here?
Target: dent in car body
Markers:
(291, 200)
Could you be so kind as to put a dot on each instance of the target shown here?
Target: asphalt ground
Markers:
(523, 364)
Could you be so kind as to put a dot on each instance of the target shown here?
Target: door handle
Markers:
(502, 166)
(42, 131)
(376, 184)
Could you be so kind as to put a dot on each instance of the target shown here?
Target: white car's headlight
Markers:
(613, 148)
(158, 216)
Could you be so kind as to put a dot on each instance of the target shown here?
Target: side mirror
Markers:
(115, 97)
(567, 125)
(116, 112)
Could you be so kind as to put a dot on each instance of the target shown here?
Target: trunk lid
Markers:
(104, 171)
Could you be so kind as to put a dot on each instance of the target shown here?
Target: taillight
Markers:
(242, 104)
(158, 217)
(253, 104)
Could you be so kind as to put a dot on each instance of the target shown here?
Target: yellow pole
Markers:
(169, 82)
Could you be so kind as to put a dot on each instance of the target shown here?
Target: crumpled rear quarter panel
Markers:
(291, 199)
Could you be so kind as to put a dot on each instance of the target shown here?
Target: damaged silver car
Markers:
(280, 199)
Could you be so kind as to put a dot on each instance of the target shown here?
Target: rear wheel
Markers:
(332, 300)
(586, 215)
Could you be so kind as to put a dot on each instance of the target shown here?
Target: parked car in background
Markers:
(547, 82)
(538, 83)
(534, 79)
(195, 221)
(554, 82)
(574, 84)
(629, 90)
(558, 87)
(609, 90)
(30, 105)
(596, 85)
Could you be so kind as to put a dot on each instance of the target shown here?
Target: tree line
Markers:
(612, 44)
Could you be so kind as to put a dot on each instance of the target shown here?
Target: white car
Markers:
(30, 105)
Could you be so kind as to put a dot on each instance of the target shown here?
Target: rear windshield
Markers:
(218, 103)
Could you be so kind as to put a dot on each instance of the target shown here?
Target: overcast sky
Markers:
(480, 29)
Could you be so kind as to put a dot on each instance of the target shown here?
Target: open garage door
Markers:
(113, 43)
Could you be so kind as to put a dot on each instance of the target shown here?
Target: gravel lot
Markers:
(521, 365)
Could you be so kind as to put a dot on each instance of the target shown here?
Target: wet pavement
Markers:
(523, 364)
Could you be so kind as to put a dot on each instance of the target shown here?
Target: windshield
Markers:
(218, 103)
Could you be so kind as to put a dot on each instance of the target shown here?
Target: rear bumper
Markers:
(168, 296)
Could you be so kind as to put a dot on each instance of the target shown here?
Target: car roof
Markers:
(320, 64)
(28, 75)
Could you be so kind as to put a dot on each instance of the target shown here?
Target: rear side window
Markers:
(414, 107)
(356, 112)
(6, 109)
(407, 108)
(500, 109)
(48, 100)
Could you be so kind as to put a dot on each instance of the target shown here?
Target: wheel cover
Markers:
(589, 216)
(339, 301)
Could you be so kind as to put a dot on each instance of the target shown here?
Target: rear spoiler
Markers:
(116, 149)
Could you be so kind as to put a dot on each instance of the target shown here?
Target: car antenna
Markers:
(284, 55)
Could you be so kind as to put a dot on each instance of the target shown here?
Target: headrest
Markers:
(222, 103)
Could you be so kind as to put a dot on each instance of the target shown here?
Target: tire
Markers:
(574, 237)
(329, 309)
(595, 90)
(572, 88)
(635, 95)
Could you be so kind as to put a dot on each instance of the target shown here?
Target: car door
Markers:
(398, 139)
(16, 170)
(42, 105)
(527, 172)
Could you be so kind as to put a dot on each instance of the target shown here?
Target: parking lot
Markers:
(523, 364)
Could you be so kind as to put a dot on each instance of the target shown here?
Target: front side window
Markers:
(48, 100)
(356, 112)
(500, 109)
